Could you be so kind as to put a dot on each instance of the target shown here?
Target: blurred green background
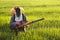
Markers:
(49, 29)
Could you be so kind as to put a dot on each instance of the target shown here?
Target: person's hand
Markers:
(17, 23)
(27, 24)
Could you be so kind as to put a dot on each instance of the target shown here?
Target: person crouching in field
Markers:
(17, 18)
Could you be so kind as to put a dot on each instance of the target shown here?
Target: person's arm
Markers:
(12, 21)
(24, 18)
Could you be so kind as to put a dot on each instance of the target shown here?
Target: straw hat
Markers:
(14, 12)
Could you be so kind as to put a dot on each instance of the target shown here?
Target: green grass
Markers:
(48, 29)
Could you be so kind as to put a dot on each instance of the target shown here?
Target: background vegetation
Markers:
(49, 29)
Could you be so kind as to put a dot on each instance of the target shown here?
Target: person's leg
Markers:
(22, 29)
(13, 25)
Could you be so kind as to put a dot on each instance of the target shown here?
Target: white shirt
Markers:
(18, 19)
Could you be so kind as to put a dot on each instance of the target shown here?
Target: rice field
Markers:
(48, 29)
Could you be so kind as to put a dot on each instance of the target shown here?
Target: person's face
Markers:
(17, 12)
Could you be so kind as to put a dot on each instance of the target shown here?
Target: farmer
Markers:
(17, 18)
